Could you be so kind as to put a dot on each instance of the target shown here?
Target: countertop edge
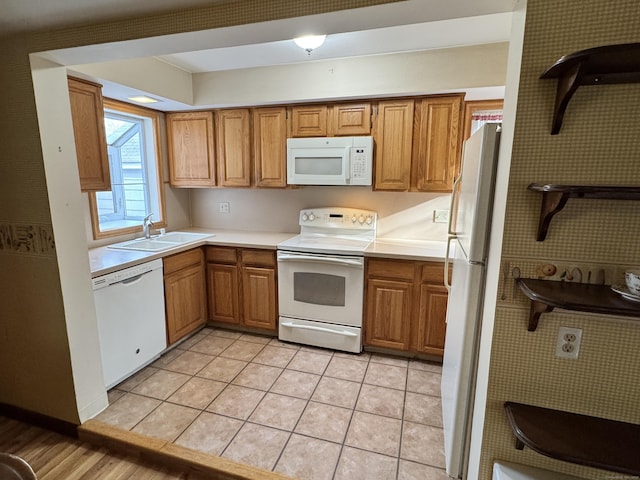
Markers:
(104, 260)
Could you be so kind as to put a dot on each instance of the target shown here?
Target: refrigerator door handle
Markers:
(447, 283)
(453, 207)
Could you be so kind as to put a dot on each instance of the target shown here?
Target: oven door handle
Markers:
(285, 257)
(319, 329)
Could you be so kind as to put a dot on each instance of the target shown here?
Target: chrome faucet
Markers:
(146, 226)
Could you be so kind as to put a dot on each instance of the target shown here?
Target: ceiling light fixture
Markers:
(309, 42)
(143, 99)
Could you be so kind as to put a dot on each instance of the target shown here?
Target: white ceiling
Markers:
(405, 26)
(404, 38)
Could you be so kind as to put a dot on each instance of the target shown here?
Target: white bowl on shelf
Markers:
(632, 277)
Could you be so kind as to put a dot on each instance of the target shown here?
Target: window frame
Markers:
(155, 118)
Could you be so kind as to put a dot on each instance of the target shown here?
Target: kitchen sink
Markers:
(160, 242)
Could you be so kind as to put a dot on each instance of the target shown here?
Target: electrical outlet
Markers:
(223, 207)
(441, 216)
(568, 342)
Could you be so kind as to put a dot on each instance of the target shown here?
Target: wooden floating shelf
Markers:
(584, 440)
(545, 295)
(554, 198)
(611, 64)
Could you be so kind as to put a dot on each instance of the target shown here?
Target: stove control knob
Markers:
(305, 217)
(361, 219)
(312, 217)
(369, 220)
(353, 219)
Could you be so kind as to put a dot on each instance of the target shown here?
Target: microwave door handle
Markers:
(347, 170)
(311, 258)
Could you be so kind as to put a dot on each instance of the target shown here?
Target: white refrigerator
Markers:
(469, 227)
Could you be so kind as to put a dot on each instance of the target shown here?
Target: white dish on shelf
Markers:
(626, 294)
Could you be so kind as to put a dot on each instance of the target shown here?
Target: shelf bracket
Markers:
(537, 309)
(552, 203)
(568, 83)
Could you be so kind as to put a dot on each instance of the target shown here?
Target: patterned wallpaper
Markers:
(596, 240)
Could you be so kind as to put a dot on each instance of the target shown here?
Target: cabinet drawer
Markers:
(433, 272)
(179, 261)
(221, 254)
(264, 258)
(391, 269)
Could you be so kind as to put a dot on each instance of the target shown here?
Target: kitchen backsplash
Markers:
(400, 214)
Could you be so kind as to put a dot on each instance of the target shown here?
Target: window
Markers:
(136, 182)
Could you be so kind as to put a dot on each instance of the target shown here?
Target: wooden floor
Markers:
(56, 457)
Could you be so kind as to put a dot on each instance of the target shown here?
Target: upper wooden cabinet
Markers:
(350, 119)
(191, 149)
(436, 143)
(87, 114)
(341, 119)
(393, 122)
(233, 143)
(417, 143)
(309, 121)
(270, 146)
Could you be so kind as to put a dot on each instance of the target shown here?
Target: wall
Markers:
(598, 144)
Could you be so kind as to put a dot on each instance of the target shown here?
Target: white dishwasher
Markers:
(131, 319)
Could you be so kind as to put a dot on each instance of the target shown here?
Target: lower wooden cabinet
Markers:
(184, 293)
(405, 306)
(241, 284)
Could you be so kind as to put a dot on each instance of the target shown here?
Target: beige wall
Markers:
(47, 362)
(598, 144)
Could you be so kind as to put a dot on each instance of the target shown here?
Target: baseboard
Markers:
(44, 421)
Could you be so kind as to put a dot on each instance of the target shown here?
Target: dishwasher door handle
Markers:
(132, 280)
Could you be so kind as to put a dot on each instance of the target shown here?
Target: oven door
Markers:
(321, 287)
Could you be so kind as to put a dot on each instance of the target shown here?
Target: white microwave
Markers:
(329, 161)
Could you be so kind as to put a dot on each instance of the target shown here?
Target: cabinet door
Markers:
(350, 119)
(87, 115)
(222, 282)
(233, 143)
(270, 147)
(191, 149)
(432, 319)
(259, 298)
(309, 121)
(185, 300)
(393, 136)
(388, 313)
(429, 333)
(436, 145)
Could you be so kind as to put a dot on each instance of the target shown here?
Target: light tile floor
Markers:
(308, 413)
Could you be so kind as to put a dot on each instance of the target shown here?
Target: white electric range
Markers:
(321, 278)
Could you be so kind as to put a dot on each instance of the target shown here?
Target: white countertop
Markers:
(423, 250)
(105, 260)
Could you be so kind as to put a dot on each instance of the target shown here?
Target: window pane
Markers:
(133, 165)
